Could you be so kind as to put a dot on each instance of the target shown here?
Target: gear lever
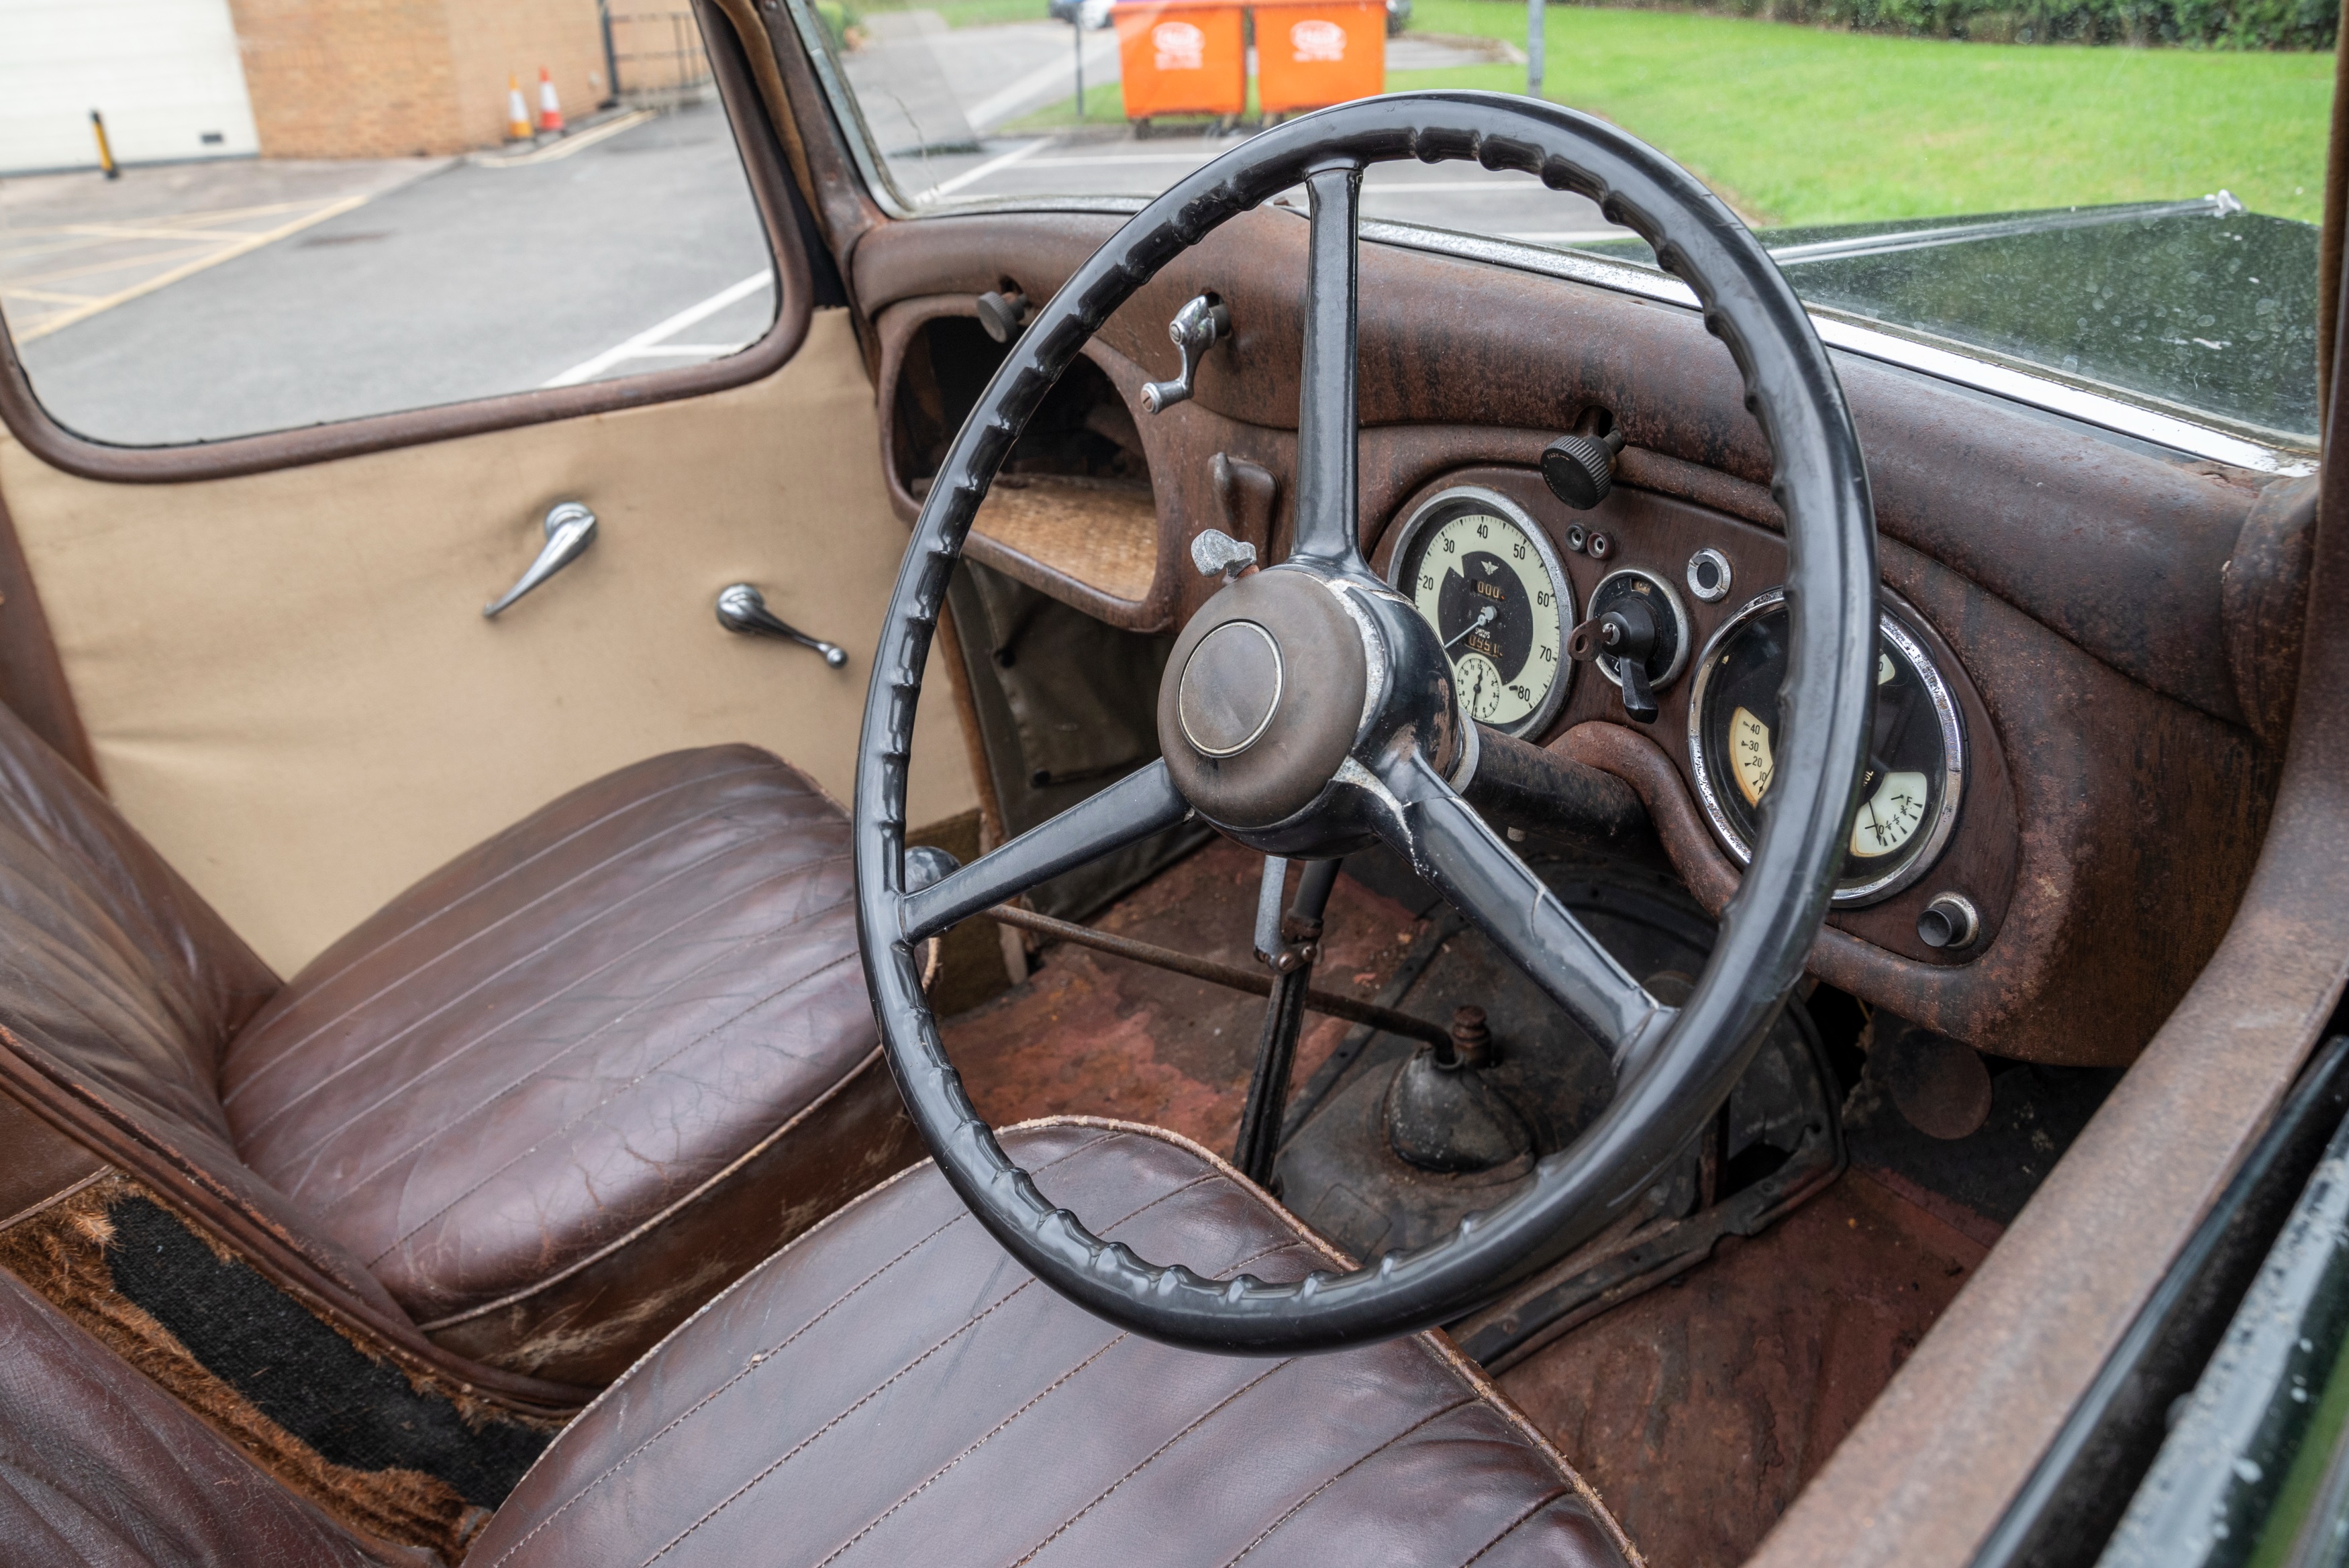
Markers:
(1296, 944)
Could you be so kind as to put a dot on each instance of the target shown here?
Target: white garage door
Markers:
(165, 74)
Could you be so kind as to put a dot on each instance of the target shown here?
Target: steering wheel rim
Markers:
(1675, 1068)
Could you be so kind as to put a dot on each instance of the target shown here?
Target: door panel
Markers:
(290, 687)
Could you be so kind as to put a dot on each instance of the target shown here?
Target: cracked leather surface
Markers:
(120, 985)
(894, 1388)
(99, 1466)
(563, 1035)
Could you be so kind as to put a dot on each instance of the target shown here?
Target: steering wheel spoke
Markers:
(1328, 526)
(1450, 845)
(1142, 803)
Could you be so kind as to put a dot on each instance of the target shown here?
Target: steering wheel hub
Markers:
(1263, 698)
(1231, 688)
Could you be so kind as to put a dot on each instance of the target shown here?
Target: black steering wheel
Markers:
(1307, 709)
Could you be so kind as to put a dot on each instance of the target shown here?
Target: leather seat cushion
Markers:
(546, 1049)
(893, 1388)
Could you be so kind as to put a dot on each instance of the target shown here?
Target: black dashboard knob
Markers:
(1002, 314)
(1950, 922)
(1580, 470)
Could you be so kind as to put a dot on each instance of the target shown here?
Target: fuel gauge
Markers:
(1916, 762)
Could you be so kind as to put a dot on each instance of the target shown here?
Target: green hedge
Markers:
(837, 19)
(2207, 23)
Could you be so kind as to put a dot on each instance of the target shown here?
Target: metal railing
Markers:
(657, 58)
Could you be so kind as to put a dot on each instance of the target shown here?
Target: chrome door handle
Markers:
(742, 608)
(570, 530)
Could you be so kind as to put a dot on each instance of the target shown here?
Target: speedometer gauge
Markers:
(1486, 578)
(1916, 758)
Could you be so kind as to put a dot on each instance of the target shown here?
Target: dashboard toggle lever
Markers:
(1217, 554)
(742, 608)
(1196, 327)
(1627, 634)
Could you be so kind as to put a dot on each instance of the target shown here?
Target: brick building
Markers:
(386, 78)
(311, 78)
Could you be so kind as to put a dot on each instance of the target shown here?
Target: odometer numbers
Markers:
(1486, 578)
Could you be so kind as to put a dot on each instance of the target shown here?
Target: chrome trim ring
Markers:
(1936, 835)
(1723, 579)
(1685, 627)
(1188, 698)
(1460, 500)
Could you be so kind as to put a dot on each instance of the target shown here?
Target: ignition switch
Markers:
(1637, 635)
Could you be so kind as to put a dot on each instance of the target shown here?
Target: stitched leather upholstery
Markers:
(568, 1034)
(99, 1466)
(544, 1103)
(893, 1388)
(120, 985)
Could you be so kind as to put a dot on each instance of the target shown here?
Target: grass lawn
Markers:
(1801, 125)
(980, 14)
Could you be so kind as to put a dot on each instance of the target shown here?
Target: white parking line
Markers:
(1111, 160)
(973, 176)
(1041, 86)
(652, 342)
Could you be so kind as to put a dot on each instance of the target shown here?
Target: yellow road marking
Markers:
(121, 231)
(12, 290)
(242, 244)
(147, 260)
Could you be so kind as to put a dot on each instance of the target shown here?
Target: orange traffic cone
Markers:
(517, 115)
(550, 112)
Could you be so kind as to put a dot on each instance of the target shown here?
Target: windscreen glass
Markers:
(2118, 197)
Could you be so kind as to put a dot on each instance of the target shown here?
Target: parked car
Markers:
(1181, 871)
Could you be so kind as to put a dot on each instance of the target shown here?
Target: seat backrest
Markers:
(119, 990)
(98, 1465)
(111, 964)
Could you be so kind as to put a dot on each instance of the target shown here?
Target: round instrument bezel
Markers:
(1462, 501)
(1611, 665)
(1929, 843)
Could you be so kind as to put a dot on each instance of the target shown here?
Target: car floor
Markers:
(1698, 1410)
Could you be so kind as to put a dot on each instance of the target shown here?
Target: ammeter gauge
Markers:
(1488, 579)
(1916, 761)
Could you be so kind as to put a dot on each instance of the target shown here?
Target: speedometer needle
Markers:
(1483, 619)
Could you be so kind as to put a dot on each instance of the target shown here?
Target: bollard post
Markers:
(105, 149)
(1536, 36)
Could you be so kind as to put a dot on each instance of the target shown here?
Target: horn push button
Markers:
(1262, 697)
(1231, 687)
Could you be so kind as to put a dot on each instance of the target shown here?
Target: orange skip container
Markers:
(1181, 56)
(1310, 55)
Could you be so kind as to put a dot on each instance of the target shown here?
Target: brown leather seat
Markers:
(891, 1388)
(547, 1101)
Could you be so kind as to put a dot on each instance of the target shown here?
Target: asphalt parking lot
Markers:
(424, 282)
(199, 301)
